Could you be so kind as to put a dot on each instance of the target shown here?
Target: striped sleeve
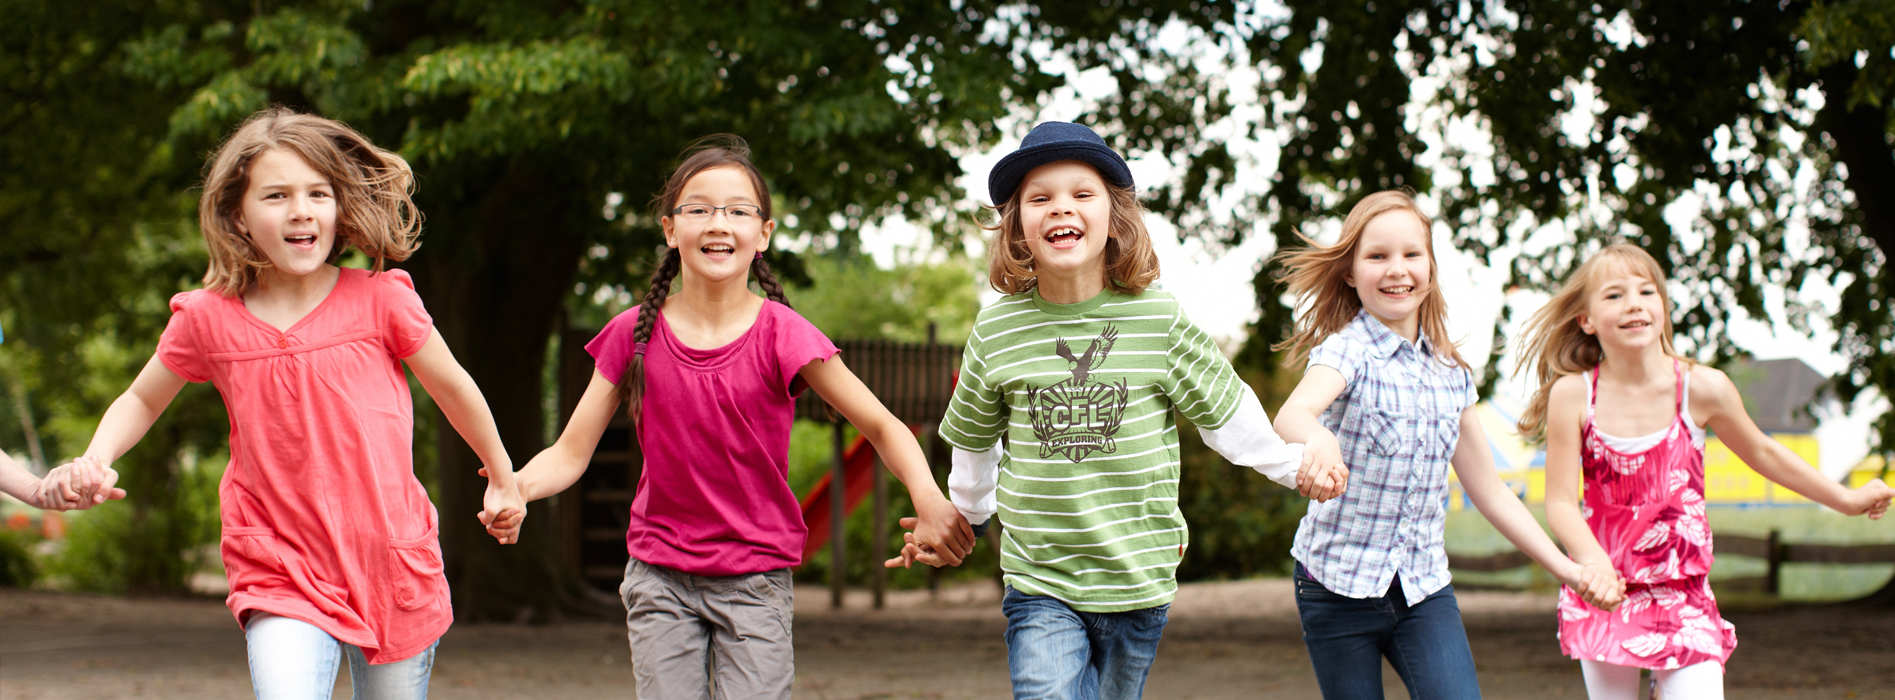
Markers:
(976, 416)
(1201, 383)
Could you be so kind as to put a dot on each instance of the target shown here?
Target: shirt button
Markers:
(283, 342)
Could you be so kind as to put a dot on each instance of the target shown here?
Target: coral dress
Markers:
(1647, 510)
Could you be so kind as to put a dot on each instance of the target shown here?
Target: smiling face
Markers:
(289, 213)
(1066, 218)
(719, 247)
(1393, 272)
(1624, 310)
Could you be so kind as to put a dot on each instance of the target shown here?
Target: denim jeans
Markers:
(1347, 638)
(293, 660)
(1057, 653)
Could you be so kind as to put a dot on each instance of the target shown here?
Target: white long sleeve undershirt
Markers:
(1247, 439)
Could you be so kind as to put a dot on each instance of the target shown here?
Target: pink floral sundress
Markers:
(1647, 510)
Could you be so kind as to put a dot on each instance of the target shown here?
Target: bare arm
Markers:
(1474, 463)
(941, 526)
(1772, 459)
(1322, 474)
(466, 409)
(461, 401)
(132, 414)
(16, 482)
(1565, 477)
(555, 468)
(1599, 582)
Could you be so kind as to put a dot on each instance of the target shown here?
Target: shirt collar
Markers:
(1383, 343)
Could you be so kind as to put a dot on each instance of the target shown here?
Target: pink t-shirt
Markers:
(323, 518)
(714, 499)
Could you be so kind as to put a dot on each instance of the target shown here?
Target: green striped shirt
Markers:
(1083, 394)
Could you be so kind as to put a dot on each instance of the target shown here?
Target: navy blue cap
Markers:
(1056, 141)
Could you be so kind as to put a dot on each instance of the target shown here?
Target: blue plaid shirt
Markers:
(1398, 420)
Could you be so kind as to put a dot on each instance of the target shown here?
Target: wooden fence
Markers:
(1772, 549)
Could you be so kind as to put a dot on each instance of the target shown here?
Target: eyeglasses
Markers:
(740, 213)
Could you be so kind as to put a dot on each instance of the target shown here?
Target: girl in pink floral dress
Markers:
(1623, 418)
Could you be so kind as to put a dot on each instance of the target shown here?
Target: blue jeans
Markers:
(1057, 653)
(293, 660)
(1347, 638)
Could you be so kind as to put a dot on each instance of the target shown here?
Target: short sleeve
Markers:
(976, 416)
(179, 348)
(1201, 383)
(1340, 353)
(406, 325)
(611, 351)
(798, 343)
(1473, 388)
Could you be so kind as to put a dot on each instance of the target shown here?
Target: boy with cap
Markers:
(1062, 422)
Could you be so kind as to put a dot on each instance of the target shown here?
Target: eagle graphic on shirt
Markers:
(1079, 415)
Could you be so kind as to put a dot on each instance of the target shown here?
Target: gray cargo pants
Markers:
(709, 637)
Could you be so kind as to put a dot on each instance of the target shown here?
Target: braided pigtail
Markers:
(767, 280)
(631, 386)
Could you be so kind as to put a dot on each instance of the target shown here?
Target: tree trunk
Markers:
(493, 279)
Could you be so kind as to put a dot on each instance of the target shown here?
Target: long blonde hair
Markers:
(1131, 264)
(1317, 275)
(375, 212)
(1554, 344)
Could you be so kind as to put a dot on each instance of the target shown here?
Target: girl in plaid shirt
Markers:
(1387, 403)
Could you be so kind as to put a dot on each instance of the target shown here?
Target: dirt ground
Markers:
(1225, 640)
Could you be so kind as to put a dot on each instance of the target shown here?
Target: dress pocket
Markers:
(416, 571)
(251, 559)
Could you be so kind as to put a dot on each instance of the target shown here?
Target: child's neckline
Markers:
(714, 357)
(1073, 309)
(341, 274)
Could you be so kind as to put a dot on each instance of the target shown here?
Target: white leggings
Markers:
(1701, 681)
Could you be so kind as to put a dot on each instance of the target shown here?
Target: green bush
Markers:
(144, 547)
(18, 567)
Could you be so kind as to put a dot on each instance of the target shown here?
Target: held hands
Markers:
(941, 536)
(1598, 584)
(505, 509)
(1322, 475)
(81, 484)
(1871, 499)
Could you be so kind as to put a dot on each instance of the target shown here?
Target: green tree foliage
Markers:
(850, 297)
(93, 240)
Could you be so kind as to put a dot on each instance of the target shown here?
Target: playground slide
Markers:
(858, 479)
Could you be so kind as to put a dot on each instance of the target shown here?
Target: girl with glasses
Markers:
(710, 377)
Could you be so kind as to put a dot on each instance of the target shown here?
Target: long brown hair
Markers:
(375, 212)
(715, 151)
(1552, 341)
(1318, 276)
(1131, 264)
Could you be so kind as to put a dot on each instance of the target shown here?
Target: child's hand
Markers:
(505, 509)
(1322, 475)
(1871, 499)
(914, 550)
(81, 484)
(939, 527)
(1601, 586)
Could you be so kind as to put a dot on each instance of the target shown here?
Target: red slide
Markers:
(858, 470)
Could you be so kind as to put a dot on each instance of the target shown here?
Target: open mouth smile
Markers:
(1063, 237)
